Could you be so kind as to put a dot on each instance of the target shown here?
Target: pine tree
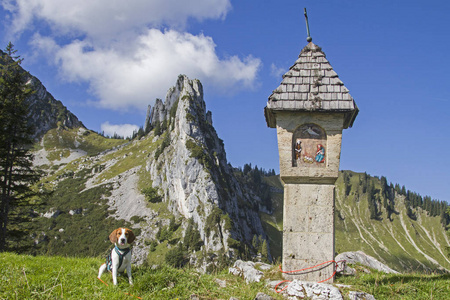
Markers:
(264, 252)
(372, 200)
(16, 172)
(347, 185)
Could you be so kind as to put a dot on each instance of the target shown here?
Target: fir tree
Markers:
(16, 172)
(347, 185)
(264, 252)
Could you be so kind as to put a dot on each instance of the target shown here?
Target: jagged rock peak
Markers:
(191, 170)
(183, 87)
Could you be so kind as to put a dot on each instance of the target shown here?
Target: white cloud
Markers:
(120, 50)
(133, 76)
(124, 130)
(276, 71)
(111, 17)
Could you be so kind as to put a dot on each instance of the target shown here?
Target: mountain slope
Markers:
(404, 240)
(400, 242)
(175, 188)
(172, 185)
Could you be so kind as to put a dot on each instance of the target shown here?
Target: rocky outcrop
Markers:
(191, 171)
(249, 270)
(46, 112)
(364, 259)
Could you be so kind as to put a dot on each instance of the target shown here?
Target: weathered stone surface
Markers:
(308, 231)
(262, 296)
(314, 291)
(221, 283)
(364, 259)
(360, 296)
(52, 213)
(288, 122)
(247, 269)
(46, 112)
(191, 189)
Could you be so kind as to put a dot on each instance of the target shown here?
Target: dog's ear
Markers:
(113, 236)
(131, 237)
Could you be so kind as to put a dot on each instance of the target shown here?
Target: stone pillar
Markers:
(308, 230)
(309, 109)
(308, 226)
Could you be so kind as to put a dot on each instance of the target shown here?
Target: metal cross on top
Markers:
(309, 38)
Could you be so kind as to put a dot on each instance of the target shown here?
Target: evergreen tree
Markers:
(16, 172)
(157, 129)
(347, 185)
(192, 240)
(247, 168)
(364, 182)
(372, 200)
(403, 191)
(397, 188)
(264, 252)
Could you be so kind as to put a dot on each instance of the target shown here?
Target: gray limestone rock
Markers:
(194, 174)
(360, 296)
(248, 270)
(315, 291)
(262, 296)
(364, 259)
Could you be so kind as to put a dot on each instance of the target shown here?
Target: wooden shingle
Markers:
(311, 84)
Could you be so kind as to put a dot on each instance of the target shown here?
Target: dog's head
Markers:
(123, 237)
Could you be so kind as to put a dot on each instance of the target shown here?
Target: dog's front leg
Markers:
(114, 275)
(130, 280)
(101, 270)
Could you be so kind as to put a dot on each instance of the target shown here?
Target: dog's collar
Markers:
(121, 253)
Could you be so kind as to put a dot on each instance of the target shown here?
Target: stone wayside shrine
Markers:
(309, 109)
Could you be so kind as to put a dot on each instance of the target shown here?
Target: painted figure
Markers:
(308, 159)
(298, 148)
(320, 154)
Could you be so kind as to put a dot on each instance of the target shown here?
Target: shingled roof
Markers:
(311, 84)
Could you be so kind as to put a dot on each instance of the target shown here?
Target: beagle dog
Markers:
(119, 259)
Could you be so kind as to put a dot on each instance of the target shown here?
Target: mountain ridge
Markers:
(182, 191)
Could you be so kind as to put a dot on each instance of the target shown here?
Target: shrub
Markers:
(192, 239)
(164, 234)
(151, 194)
(175, 257)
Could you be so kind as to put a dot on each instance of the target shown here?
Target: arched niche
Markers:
(309, 143)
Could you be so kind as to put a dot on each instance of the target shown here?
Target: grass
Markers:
(41, 277)
(52, 277)
(399, 244)
(89, 141)
(398, 286)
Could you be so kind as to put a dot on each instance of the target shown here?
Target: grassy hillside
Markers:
(399, 241)
(28, 277)
(74, 193)
(403, 243)
(42, 277)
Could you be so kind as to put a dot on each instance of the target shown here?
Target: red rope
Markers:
(123, 292)
(305, 269)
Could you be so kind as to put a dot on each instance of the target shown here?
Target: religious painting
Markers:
(308, 146)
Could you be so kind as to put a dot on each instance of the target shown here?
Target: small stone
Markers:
(360, 296)
(262, 296)
(221, 283)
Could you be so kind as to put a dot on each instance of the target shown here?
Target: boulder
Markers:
(364, 259)
(312, 290)
(247, 269)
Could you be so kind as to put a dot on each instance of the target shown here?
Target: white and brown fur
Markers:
(122, 238)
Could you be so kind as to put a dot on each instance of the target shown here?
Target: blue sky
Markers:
(107, 60)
